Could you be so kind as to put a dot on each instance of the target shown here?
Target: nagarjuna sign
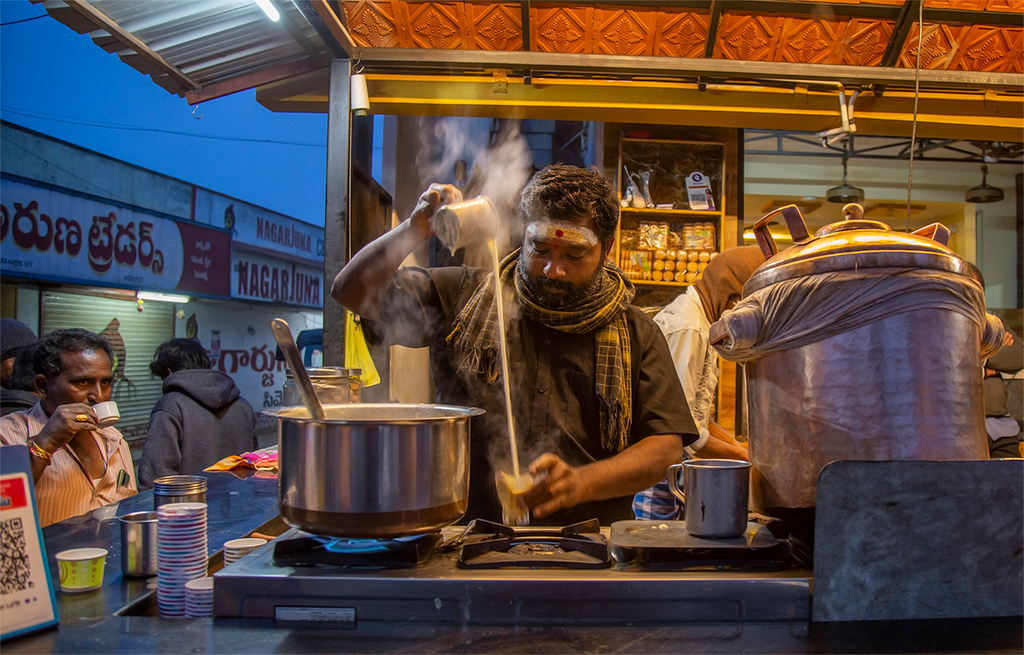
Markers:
(260, 229)
(48, 234)
(267, 279)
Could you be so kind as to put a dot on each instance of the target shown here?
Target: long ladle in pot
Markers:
(283, 335)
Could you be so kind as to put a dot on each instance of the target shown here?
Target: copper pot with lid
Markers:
(860, 343)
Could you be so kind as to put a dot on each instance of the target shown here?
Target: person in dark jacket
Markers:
(201, 418)
(14, 337)
(22, 394)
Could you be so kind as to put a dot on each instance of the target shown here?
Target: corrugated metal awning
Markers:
(199, 42)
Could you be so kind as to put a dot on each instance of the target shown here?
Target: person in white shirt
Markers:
(686, 322)
(76, 465)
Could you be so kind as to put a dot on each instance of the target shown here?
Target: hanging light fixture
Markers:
(984, 192)
(844, 193)
(360, 97)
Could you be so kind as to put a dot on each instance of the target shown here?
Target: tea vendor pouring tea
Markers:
(597, 407)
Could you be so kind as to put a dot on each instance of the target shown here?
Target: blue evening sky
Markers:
(58, 82)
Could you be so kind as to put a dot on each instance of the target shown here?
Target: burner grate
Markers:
(487, 545)
(334, 552)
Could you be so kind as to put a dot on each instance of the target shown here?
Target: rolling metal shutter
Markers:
(133, 335)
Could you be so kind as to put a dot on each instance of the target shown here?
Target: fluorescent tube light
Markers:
(162, 297)
(269, 9)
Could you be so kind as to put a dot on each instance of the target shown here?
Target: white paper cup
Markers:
(107, 413)
(81, 569)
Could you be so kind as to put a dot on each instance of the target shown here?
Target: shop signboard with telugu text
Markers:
(49, 234)
(257, 228)
(267, 279)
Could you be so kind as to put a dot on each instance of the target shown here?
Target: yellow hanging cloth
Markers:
(357, 355)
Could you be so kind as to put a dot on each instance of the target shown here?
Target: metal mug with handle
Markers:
(138, 544)
(715, 498)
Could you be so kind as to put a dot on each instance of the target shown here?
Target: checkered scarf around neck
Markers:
(475, 338)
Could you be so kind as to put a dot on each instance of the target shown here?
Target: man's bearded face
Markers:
(561, 262)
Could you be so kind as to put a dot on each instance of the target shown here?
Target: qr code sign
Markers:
(15, 570)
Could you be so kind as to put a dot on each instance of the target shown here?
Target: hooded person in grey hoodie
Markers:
(201, 418)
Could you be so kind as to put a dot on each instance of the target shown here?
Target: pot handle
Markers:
(673, 482)
(936, 232)
(794, 221)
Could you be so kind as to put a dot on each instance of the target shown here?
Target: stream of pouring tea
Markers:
(499, 300)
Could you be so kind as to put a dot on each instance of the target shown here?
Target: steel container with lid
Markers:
(861, 344)
(333, 386)
(179, 489)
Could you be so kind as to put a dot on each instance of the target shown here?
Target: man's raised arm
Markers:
(361, 284)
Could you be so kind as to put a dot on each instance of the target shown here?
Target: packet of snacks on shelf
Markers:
(675, 236)
(653, 236)
(639, 265)
(628, 239)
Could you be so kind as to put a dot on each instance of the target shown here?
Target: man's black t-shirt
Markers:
(552, 376)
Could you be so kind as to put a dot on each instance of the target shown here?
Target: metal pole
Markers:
(336, 218)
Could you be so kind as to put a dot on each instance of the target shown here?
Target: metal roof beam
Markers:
(384, 60)
(103, 21)
(258, 78)
(907, 17)
(327, 24)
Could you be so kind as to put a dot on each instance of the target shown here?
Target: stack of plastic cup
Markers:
(180, 553)
(236, 549)
(199, 598)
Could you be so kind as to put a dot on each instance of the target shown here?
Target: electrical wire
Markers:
(23, 20)
(133, 128)
(110, 194)
(917, 93)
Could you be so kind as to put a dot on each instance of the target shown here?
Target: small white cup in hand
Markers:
(106, 413)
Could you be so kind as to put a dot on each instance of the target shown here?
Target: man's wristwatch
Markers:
(36, 450)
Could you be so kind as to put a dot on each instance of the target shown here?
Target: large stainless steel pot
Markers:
(907, 387)
(374, 470)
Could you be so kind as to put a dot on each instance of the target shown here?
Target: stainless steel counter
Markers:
(98, 622)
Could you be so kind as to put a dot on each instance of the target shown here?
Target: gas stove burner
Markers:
(487, 545)
(667, 546)
(335, 552)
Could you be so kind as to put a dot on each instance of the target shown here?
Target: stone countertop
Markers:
(236, 507)
(96, 622)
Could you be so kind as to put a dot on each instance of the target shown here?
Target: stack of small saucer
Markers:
(180, 553)
(236, 549)
(199, 598)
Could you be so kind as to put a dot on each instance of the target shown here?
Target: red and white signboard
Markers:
(261, 229)
(48, 234)
(266, 279)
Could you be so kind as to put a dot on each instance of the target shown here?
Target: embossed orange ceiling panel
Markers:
(748, 37)
(971, 5)
(619, 31)
(864, 42)
(1005, 5)
(798, 37)
(373, 24)
(494, 26)
(939, 45)
(563, 29)
(434, 25)
(1016, 56)
(805, 41)
(988, 49)
(681, 33)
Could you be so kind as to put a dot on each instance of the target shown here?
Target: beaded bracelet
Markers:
(36, 450)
